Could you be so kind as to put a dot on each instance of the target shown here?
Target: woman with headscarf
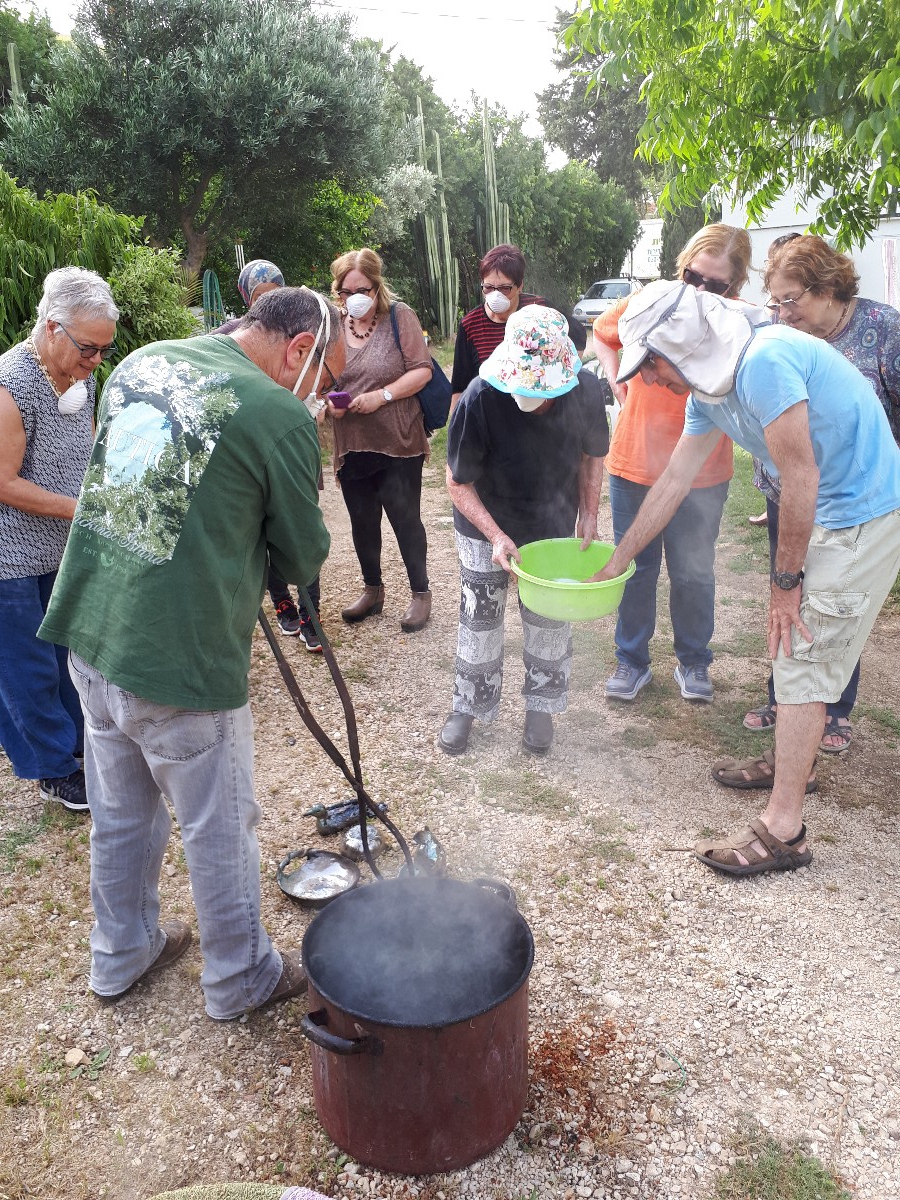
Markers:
(47, 392)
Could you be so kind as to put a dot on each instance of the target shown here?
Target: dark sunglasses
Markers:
(695, 279)
(105, 352)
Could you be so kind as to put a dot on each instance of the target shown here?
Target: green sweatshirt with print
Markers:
(202, 467)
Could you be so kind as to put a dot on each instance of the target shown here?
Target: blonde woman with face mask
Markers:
(379, 433)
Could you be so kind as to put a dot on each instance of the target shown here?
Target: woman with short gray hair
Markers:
(47, 392)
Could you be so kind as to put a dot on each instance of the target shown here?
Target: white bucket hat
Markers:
(536, 358)
(703, 336)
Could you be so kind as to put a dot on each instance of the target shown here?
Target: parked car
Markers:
(602, 295)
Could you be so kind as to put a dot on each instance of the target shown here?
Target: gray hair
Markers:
(288, 311)
(73, 292)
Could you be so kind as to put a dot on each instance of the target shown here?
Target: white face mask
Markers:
(528, 403)
(497, 302)
(73, 399)
(324, 327)
(359, 306)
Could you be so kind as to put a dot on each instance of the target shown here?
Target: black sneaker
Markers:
(310, 637)
(69, 791)
(288, 618)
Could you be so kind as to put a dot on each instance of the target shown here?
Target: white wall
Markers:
(877, 280)
(643, 261)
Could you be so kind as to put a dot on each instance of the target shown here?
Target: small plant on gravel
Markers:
(767, 1169)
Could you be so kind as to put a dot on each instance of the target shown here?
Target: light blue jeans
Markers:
(136, 752)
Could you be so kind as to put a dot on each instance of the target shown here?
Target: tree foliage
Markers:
(192, 112)
(758, 96)
(35, 39)
(59, 231)
(571, 225)
(596, 123)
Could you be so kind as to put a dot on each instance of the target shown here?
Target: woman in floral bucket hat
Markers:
(525, 453)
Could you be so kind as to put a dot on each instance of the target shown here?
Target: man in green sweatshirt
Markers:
(204, 464)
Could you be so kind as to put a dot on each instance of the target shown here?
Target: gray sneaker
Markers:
(627, 682)
(694, 683)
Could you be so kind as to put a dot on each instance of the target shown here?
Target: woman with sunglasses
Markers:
(379, 437)
(716, 259)
(47, 392)
(814, 289)
(482, 329)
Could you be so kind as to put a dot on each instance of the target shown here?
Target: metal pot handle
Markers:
(313, 1027)
(497, 888)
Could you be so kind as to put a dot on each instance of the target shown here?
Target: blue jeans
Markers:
(41, 727)
(844, 706)
(689, 541)
(203, 761)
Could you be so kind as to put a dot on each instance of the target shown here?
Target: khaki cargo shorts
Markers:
(848, 574)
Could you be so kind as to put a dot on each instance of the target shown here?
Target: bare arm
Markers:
(466, 499)
(590, 480)
(662, 500)
(609, 361)
(408, 384)
(14, 490)
(791, 448)
(454, 400)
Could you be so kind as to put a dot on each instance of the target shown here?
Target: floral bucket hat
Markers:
(536, 358)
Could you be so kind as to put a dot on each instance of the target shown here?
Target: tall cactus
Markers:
(15, 75)
(496, 211)
(442, 267)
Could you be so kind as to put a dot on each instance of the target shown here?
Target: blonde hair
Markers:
(369, 264)
(718, 240)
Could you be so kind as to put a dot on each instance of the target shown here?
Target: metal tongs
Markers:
(354, 777)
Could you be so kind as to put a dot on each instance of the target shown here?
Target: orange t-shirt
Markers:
(651, 422)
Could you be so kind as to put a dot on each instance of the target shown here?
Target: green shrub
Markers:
(149, 290)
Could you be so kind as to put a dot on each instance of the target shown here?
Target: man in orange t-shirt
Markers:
(648, 427)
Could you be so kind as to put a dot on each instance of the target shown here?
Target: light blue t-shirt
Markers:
(857, 457)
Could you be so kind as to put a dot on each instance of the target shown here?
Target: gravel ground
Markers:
(667, 1003)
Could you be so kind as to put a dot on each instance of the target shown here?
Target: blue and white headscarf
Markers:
(258, 271)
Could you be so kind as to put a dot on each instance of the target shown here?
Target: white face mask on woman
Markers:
(497, 302)
(359, 306)
(73, 399)
(528, 403)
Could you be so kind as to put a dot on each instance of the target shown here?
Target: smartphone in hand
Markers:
(340, 399)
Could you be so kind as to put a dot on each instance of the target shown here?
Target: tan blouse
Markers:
(396, 428)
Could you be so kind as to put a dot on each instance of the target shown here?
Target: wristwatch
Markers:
(388, 396)
(787, 580)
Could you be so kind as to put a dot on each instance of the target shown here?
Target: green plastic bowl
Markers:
(549, 579)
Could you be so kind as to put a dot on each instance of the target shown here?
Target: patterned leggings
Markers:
(547, 649)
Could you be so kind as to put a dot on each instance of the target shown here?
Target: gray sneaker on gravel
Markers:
(694, 683)
(627, 681)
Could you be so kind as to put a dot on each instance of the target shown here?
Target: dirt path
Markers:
(666, 1002)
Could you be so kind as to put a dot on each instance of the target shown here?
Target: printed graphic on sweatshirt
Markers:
(162, 422)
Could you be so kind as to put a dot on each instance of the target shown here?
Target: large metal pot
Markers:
(418, 995)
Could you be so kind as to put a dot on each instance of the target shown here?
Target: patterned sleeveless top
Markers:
(57, 449)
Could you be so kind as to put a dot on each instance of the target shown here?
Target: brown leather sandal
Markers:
(752, 772)
(722, 855)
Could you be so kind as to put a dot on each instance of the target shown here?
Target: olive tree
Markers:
(198, 113)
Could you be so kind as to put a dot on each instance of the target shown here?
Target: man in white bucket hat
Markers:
(813, 419)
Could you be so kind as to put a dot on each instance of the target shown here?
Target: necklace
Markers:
(32, 349)
(840, 322)
(356, 333)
